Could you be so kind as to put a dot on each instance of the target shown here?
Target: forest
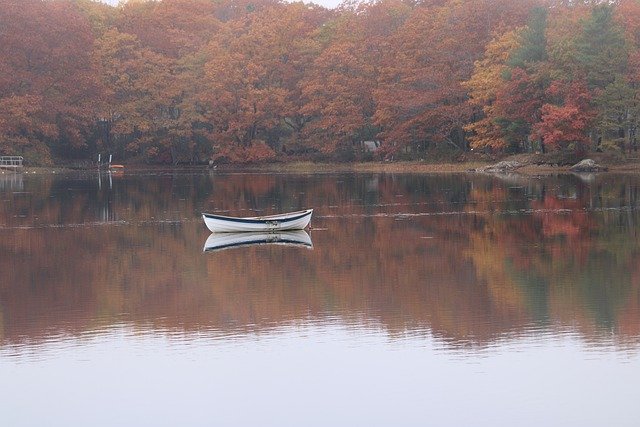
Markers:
(241, 81)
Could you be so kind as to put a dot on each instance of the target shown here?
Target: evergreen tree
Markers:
(602, 50)
(533, 41)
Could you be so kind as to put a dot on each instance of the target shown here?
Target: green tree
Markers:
(533, 41)
(602, 49)
(617, 113)
(603, 55)
(522, 94)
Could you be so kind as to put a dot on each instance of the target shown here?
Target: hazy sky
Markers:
(325, 3)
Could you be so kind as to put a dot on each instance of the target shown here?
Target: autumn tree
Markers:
(421, 98)
(486, 82)
(173, 28)
(543, 99)
(508, 83)
(339, 89)
(523, 94)
(47, 81)
(564, 124)
(252, 72)
(176, 81)
(140, 98)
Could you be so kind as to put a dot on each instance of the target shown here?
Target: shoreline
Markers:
(308, 167)
(415, 167)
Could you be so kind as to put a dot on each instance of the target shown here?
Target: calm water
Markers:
(418, 300)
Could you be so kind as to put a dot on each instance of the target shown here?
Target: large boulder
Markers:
(587, 165)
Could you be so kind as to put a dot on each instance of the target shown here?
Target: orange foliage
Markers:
(339, 88)
(47, 81)
(190, 80)
(421, 96)
(484, 85)
(253, 73)
(566, 125)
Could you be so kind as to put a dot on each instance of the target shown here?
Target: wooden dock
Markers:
(11, 162)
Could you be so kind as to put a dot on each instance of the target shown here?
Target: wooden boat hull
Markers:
(222, 241)
(289, 221)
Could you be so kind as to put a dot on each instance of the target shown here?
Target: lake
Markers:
(448, 300)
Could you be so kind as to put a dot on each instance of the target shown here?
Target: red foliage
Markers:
(257, 151)
(521, 97)
(565, 125)
(183, 76)
(420, 94)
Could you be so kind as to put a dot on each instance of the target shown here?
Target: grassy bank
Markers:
(529, 164)
(371, 167)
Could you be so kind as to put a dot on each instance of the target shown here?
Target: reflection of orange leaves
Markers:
(490, 259)
(562, 217)
(486, 199)
(466, 276)
(554, 225)
(628, 321)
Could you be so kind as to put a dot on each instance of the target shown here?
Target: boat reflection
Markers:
(221, 241)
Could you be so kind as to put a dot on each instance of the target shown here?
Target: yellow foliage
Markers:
(483, 86)
(488, 71)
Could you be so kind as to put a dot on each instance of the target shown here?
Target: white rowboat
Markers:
(221, 241)
(229, 224)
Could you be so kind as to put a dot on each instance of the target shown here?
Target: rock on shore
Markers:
(501, 167)
(587, 165)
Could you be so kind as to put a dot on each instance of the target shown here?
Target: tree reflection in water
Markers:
(470, 259)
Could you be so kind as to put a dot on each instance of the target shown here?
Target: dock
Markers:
(11, 162)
